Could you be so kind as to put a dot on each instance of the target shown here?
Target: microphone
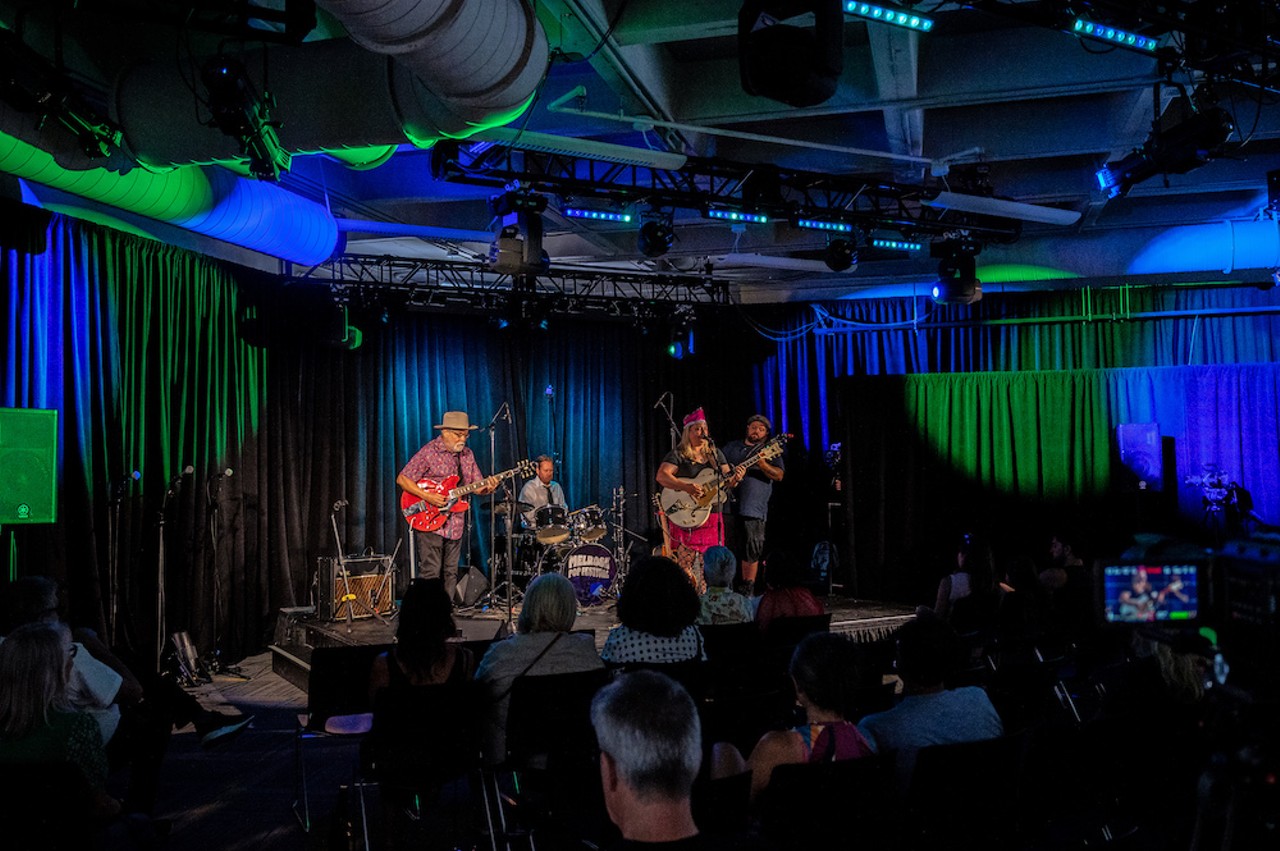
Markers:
(124, 480)
(339, 504)
(550, 391)
(506, 412)
(222, 474)
(176, 482)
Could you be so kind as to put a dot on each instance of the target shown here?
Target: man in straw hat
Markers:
(446, 455)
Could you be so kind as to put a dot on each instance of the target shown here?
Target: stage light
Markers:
(840, 255)
(655, 237)
(595, 215)
(896, 244)
(957, 280)
(242, 115)
(737, 216)
(889, 15)
(1085, 28)
(1178, 150)
(517, 246)
(824, 224)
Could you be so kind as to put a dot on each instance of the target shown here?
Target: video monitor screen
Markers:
(1140, 593)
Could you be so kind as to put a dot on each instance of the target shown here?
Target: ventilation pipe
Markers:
(208, 201)
(1221, 246)
(429, 70)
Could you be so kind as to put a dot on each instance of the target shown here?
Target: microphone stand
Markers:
(493, 460)
(666, 402)
(172, 491)
(117, 490)
(212, 488)
(722, 489)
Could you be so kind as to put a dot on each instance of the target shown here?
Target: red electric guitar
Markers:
(426, 517)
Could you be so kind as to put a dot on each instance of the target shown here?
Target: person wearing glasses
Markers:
(438, 551)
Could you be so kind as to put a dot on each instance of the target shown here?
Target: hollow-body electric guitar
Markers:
(689, 512)
(426, 517)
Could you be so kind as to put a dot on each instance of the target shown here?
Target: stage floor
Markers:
(299, 631)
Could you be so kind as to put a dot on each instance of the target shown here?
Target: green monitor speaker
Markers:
(28, 466)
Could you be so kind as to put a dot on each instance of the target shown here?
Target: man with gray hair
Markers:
(650, 751)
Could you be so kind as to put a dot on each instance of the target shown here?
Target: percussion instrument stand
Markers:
(621, 546)
(513, 594)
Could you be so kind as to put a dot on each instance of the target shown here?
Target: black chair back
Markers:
(953, 787)
(551, 714)
(788, 632)
(816, 805)
(45, 807)
(731, 643)
(424, 735)
(338, 683)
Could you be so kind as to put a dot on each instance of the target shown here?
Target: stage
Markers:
(299, 631)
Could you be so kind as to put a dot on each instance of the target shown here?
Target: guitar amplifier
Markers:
(370, 578)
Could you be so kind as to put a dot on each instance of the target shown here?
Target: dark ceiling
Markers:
(995, 101)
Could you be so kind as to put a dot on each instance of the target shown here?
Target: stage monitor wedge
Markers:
(28, 466)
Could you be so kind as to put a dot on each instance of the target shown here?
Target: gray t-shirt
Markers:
(943, 718)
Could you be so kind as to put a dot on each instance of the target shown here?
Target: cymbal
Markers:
(521, 508)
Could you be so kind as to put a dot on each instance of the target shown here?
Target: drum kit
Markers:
(567, 542)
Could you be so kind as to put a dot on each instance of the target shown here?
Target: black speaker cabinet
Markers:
(370, 580)
(28, 466)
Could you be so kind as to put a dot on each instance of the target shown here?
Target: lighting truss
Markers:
(472, 287)
(904, 18)
(705, 184)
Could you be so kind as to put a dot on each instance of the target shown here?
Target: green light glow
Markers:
(1008, 273)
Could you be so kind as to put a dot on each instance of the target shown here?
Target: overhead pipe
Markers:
(420, 231)
(208, 201)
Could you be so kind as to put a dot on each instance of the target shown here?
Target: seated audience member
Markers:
(37, 722)
(929, 714)
(134, 720)
(423, 654)
(658, 607)
(542, 645)
(721, 604)
(786, 596)
(1064, 564)
(650, 751)
(823, 669)
(971, 577)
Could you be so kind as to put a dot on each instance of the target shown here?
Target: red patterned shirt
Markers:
(435, 461)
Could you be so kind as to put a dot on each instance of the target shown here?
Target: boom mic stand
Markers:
(175, 485)
(212, 489)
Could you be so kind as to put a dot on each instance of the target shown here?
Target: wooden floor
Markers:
(240, 795)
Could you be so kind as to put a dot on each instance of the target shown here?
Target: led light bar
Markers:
(1121, 38)
(738, 216)
(597, 215)
(889, 15)
(896, 244)
(819, 224)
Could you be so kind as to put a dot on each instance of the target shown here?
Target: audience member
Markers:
(929, 714)
(786, 596)
(134, 720)
(650, 751)
(423, 654)
(720, 604)
(542, 645)
(1064, 563)
(823, 669)
(972, 575)
(658, 608)
(38, 724)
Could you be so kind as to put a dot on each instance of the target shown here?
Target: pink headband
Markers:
(696, 417)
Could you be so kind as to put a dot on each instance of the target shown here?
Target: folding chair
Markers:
(337, 705)
(812, 805)
(552, 759)
(423, 751)
(952, 788)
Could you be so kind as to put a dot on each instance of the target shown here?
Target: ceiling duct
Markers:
(459, 68)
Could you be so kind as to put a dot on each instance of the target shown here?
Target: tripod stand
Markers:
(348, 600)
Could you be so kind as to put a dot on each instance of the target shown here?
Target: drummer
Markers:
(541, 491)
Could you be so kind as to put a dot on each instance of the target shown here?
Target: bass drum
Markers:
(591, 569)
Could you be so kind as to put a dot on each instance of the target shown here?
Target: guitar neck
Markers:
(475, 486)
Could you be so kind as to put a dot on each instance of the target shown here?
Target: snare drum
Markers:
(588, 523)
(552, 522)
(590, 568)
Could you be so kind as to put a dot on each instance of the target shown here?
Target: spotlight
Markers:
(840, 255)
(517, 246)
(1178, 150)
(242, 115)
(655, 237)
(957, 280)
